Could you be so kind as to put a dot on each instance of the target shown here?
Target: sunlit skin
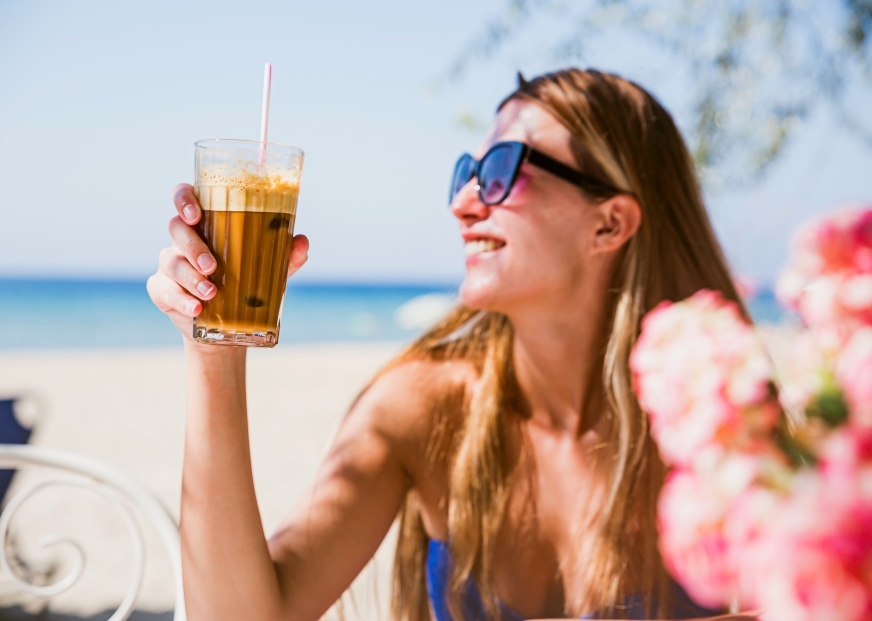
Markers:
(550, 278)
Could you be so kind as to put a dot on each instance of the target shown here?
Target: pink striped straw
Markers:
(264, 111)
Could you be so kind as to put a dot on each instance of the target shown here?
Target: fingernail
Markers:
(190, 213)
(205, 287)
(206, 262)
(191, 307)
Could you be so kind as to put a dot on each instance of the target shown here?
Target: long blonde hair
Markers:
(623, 136)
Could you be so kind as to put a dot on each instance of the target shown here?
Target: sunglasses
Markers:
(498, 169)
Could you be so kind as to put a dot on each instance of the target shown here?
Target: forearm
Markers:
(227, 569)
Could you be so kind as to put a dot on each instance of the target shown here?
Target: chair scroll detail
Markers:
(96, 477)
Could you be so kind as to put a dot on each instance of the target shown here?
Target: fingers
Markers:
(168, 296)
(191, 246)
(186, 203)
(299, 253)
(179, 269)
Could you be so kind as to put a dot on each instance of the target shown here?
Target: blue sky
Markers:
(101, 101)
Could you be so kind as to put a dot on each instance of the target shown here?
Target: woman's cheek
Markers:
(520, 185)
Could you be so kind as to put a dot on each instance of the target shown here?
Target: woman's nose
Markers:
(467, 205)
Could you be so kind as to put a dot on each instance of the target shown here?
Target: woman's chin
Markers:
(479, 294)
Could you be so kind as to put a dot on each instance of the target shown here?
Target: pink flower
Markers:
(846, 461)
(702, 375)
(746, 527)
(809, 584)
(829, 276)
(739, 527)
(694, 507)
(854, 374)
(815, 560)
(812, 559)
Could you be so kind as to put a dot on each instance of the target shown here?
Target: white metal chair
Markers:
(115, 487)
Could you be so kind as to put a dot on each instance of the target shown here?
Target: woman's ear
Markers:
(618, 219)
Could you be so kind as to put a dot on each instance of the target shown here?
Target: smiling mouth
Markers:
(479, 246)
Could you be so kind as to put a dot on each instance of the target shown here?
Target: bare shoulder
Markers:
(415, 407)
(405, 399)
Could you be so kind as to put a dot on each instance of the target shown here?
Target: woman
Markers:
(507, 439)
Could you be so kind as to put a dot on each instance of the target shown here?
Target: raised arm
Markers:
(230, 570)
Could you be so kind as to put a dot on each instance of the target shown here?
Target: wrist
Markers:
(226, 354)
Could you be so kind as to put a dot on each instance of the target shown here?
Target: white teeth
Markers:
(481, 245)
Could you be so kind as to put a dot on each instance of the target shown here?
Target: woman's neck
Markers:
(558, 362)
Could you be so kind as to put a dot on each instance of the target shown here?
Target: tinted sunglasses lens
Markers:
(462, 174)
(497, 169)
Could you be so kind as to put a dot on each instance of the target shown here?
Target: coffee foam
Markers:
(227, 188)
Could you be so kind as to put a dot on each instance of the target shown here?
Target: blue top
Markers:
(439, 569)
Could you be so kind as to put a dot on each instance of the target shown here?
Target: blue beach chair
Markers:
(11, 432)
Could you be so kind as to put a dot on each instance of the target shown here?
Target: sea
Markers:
(43, 313)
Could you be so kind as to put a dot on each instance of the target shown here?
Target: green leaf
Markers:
(830, 407)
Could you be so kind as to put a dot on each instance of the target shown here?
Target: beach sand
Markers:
(126, 408)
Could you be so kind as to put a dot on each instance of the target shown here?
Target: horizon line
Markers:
(314, 281)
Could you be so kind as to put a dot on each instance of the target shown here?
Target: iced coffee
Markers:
(248, 212)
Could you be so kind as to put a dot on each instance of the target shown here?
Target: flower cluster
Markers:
(829, 278)
(829, 283)
(766, 508)
(705, 373)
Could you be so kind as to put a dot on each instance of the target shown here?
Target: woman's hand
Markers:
(180, 284)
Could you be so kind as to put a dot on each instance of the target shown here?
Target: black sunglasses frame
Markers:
(526, 153)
